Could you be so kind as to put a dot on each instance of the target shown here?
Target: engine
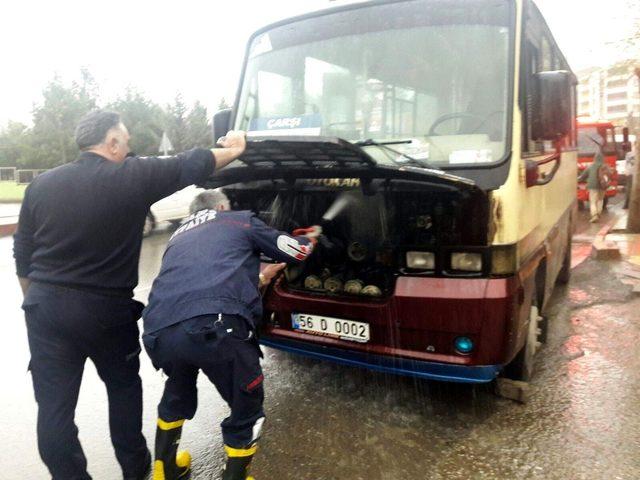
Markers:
(364, 236)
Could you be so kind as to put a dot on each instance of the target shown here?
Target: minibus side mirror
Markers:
(221, 121)
(552, 116)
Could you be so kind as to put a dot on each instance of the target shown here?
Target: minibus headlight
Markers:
(421, 260)
(466, 262)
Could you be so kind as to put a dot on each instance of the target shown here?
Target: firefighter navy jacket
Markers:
(211, 266)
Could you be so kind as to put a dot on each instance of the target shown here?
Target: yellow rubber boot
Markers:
(169, 463)
(238, 463)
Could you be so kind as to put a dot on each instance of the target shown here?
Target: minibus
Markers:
(434, 142)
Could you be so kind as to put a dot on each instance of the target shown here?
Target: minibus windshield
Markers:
(432, 73)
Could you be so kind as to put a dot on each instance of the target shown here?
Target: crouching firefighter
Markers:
(202, 315)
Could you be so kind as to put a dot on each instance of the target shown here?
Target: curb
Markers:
(603, 249)
(8, 229)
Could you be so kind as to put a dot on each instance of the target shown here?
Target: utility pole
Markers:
(633, 220)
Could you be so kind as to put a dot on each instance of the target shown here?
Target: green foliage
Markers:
(15, 144)
(51, 141)
(222, 104)
(199, 133)
(176, 124)
(144, 120)
(54, 122)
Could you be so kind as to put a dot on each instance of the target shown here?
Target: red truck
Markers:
(604, 134)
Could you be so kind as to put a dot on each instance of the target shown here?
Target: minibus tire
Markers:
(522, 366)
(564, 275)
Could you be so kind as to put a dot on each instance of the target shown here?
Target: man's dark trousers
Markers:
(224, 347)
(66, 326)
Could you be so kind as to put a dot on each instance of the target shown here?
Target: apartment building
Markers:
(611, 94)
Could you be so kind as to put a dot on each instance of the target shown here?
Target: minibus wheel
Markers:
(522, 366)
(565, 272)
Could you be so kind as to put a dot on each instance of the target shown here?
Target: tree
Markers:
(55, 120)
(176, 124)
(144, 119)
(222, 104)
(15, 145)
(199, 132)
(51, 140)
(88, 85)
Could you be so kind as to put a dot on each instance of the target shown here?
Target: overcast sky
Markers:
(196, 47)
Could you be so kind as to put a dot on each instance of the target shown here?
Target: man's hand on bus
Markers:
(232, 145)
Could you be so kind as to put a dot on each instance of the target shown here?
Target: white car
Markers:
(171, 209)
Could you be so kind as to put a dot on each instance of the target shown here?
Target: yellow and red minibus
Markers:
(434, 141)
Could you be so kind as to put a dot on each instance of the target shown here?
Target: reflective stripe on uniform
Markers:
(293, 248)
(257, 430)
(240, 452)
(162, 425)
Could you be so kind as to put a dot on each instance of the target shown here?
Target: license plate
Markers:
(331, 327)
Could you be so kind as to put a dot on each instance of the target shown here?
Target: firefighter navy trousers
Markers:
(224, 347)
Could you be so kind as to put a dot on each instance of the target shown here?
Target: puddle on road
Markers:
(331, 422)
(578, 296)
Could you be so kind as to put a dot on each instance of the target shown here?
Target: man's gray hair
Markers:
(93, 127)
(209, 199)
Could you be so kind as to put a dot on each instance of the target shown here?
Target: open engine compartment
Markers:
(366, 232)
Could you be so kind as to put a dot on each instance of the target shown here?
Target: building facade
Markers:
(611, 94)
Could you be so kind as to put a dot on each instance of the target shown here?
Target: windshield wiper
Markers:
(385, 146)
(371, 141)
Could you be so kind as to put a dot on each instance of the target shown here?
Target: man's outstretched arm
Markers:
(232, 146)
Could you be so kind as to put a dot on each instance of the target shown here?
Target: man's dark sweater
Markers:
(81, 223)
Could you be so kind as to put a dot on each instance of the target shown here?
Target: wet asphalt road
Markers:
(331, 422)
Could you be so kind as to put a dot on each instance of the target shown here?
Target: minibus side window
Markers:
(547, 64)
(532, 59)
(546, 57)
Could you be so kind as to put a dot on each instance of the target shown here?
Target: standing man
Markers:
(597, 177)
(77, 249)
(202, 315)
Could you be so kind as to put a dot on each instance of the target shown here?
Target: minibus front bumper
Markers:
(387, 364)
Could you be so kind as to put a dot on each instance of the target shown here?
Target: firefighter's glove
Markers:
(312, 233)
